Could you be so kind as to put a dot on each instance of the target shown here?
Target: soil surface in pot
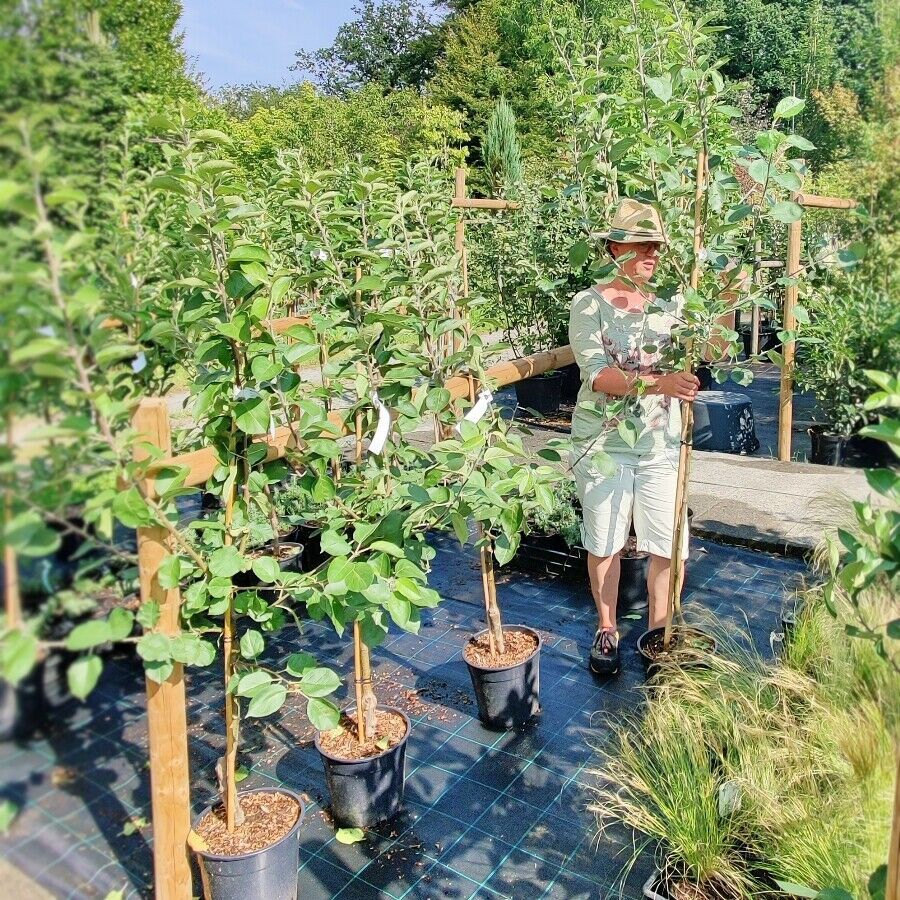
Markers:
(284, 551)
(630, 550)
(681, 641)
(341, 742)
(268, 817)
(519, 646)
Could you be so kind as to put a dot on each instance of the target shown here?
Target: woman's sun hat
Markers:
(634, 222)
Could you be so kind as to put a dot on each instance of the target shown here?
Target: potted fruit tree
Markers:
(709, 223)
(381, 259)
(220, 292)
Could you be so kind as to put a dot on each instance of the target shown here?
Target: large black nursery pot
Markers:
(508, 696)
(869, 453)
(571, 383)
(686, 661)
(827, 449)
(542, 393)
(768, 339)
(293, 563)
(365, 792)
(22, 705)
(633, 573)
(270, 872)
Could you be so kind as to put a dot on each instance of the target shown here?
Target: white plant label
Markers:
(382, 429)
(482, 404)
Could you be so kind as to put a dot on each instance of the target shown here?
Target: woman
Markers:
(618, 343)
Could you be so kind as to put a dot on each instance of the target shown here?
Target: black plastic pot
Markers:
(549, 554)
(22, 706)
(653, 666)
(571, 383)
(827, 449)
(365, 792)
(270, 872)
(508, 696)
(768, 339)
(869, 453)
(248, 580)
(633, 583)
(704, 376)
(541, 393)
(311, 539)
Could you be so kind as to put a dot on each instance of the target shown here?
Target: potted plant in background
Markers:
(846, 326)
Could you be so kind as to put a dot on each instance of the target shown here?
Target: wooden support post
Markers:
(892, 888)
(460, 245)
(166, 702)
(789, 323)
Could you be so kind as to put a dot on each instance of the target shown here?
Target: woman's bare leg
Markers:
(604, 574)
(658, 588)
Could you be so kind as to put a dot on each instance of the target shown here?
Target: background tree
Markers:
(500, 152)
(389, 43)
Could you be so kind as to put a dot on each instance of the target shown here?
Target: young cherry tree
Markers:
(663, 133)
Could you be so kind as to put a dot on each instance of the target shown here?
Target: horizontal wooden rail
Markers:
(483, 203)
(279, 326)
(770, 264)
(202, 463)
(814, 201)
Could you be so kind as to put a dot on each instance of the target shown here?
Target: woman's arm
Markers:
(619, 383)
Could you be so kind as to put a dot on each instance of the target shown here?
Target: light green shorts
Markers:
(643, 488)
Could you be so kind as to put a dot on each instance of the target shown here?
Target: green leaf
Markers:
(403, 613)
(88, 635)
(226, 562)
(249, 253)
(298, 663)
(797, 890)
(83, 675)
(578, 254)
(661, 87)
(334, 544)
(349, 835)
(148, 614)
(267, 700)
(786, 211)
(169, 572)
(155, 648)
(252, 644)
(266, 569)
(319, 682)
(130, 508)
(893, 630)
(252, 416)
(628, 432)
(18, 654)
(29, 536)
(788, 107)
(323, 714)
(250, 682)
(120, 623)
(460, 528)
(605, 464)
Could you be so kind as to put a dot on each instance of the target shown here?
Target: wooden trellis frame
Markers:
(789, 321)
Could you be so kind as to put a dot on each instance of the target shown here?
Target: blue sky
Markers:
(241, 41)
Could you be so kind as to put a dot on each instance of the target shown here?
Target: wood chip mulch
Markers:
(342, 742)
(519, 646)
(268, 817)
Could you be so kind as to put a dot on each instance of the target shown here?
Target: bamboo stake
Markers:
(789, 323)
(687, 424)
(229, 782)
(361, 732)
(166, 702)
(892, 888)
(754, 313)
(10, 559)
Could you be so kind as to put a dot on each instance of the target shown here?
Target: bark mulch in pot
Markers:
(519, 646)
(268, 817)
(341, 742)
(682, 642)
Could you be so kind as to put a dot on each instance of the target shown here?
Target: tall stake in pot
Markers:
(10, 560)
(687, 420)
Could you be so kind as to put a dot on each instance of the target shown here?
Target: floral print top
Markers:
(603, 336)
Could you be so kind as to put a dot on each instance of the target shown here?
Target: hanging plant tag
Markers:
(383, 427)
(482, 404)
